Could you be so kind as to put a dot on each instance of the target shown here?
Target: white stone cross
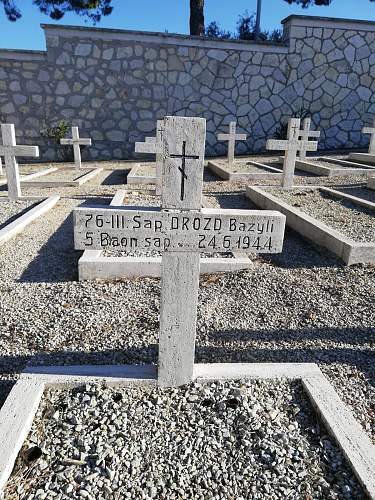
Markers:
(232, 137)
(1, 166)
(154, 145)
(181, 230)
(305, 134)
(76, 142)
(9, 150)
(291, 146)
(371, 131)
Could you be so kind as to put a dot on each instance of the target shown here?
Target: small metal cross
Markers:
(184, 157)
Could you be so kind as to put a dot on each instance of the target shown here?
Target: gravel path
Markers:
(356, 222)
(11, 210)
(243, 440)
(300, 306)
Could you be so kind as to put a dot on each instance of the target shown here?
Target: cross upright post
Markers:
(232, 137)
(1, 166)
(181, 230)
(371, 131)
(291, 146)
(9, 150)
(305, 134)
(76, 142)
(154, 145)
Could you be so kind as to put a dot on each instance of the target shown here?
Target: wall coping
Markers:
(329, 22)
(23, 55)
(163, 38)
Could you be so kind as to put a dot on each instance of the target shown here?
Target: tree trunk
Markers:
(197, 17)
(257, 23)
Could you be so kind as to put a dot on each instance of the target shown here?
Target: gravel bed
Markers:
(240, 439)
(356, 222)
(11, 210)
(64, 175)
(300, 306)
(146, 169)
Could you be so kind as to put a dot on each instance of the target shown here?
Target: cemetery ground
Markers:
(303, 305)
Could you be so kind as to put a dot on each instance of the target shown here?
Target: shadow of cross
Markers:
(181, 230)
(9, 150)
(291, 146)
(76, 141)
(371, 131)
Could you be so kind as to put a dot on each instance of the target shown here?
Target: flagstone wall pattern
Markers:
(115, 84)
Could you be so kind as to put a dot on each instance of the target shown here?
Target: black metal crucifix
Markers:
(184, 157)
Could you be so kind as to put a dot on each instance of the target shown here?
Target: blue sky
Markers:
(170, 15)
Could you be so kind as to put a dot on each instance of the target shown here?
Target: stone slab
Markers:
(367, 157)
(20, 223)
(208, 231)
(371, 183)
(135, 176)
(227, 174)
(349, 251)
(91, 173)
(18, 412)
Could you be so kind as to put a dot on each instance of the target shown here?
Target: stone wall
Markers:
(115, 84)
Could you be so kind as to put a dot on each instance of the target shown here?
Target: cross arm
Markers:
(368, 130)
(311, 145)
(240, 137)
(274, 144)
(147, 147)
(19, 150)
(67, 142)
(223, 137)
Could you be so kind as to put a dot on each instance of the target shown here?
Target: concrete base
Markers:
(351, 252)
(371, 183)
(93, 265)
(314, 168)
(18, 412)
(86, 175)
(135, 176)
(227, 174)
(367, 157)
(20, 223)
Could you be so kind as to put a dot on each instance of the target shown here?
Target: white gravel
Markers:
(350, 219)
(242, 440)
(10, 210)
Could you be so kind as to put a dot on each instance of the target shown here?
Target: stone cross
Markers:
(291, 146)
(181, 230)
(9, 150)
(76, 142)
(232, 137)
(371, 131)
(154, 145)
(305, 134)
(1, 166)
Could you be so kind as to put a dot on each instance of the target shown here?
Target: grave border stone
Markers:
(371, 183)
(19, 409)
(349, 251)
(320, 170)
(80, 181)
(227, 174)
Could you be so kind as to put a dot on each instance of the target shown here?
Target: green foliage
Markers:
(55, 9)
(57, 132)
(214, 30)
(282, 131)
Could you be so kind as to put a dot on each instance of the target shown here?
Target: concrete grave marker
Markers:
(76, 142)
(291, 146)
(232, 137)
(154, 145)
(9, 150)
(181, 230)
(371, 131)
(305, 134)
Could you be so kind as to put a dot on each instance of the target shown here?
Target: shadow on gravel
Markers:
(116, 177)
(19, 214)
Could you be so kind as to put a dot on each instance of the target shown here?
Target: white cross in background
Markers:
(305, 134)
(232, 137)
(154, 145)
(291, 146)
(370, 130)
(181, 230)
(76, 142)
(9, 150)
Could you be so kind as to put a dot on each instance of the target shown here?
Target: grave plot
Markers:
(111, 264)
(343, 224)
(233, 439)
(247, 169)
(16, 215)
(28, 172)
(65, 177)
(143, 173)
(332, 167)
